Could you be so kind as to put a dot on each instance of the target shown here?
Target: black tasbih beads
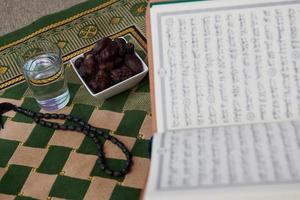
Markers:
(81, 126)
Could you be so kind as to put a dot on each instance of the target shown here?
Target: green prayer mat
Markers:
(40, 163)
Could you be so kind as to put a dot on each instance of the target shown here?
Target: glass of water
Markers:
(42, 67)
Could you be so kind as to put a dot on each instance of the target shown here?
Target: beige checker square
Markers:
(2, 172)
(38, 185)
(28, 156)
(100, 189)
(16, 131)
(106, 119)
(70, 139)
(146, 128)
(13, 101)
(112, 151)
(6, 197)
(56, 198)
(138, 174)
(79, 165)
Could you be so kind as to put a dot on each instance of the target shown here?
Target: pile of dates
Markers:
(108, 63)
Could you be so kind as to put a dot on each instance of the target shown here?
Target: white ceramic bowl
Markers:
(117, 88)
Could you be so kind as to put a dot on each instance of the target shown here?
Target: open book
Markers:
(225, 88)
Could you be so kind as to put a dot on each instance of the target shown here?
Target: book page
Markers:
(225, 62)
(225, 157)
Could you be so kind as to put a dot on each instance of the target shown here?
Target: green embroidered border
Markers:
(52, 21)
(11, 74)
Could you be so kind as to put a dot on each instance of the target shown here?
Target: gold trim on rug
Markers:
(12, 82)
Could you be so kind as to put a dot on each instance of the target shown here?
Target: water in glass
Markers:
(45, 77)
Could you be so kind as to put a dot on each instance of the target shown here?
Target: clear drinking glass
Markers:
(42, 67)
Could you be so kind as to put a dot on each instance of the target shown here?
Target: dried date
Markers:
(89, 64)
(121, 74)
(101, 44)
(122, 46)
(100, 82)
(106, 66)
(82, 72)
(134, 63)
(109, 52)
(129, 48)
(79, 62)
(108, 63)
(118, 62)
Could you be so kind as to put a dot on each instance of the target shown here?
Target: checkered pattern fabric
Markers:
(41, 163)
